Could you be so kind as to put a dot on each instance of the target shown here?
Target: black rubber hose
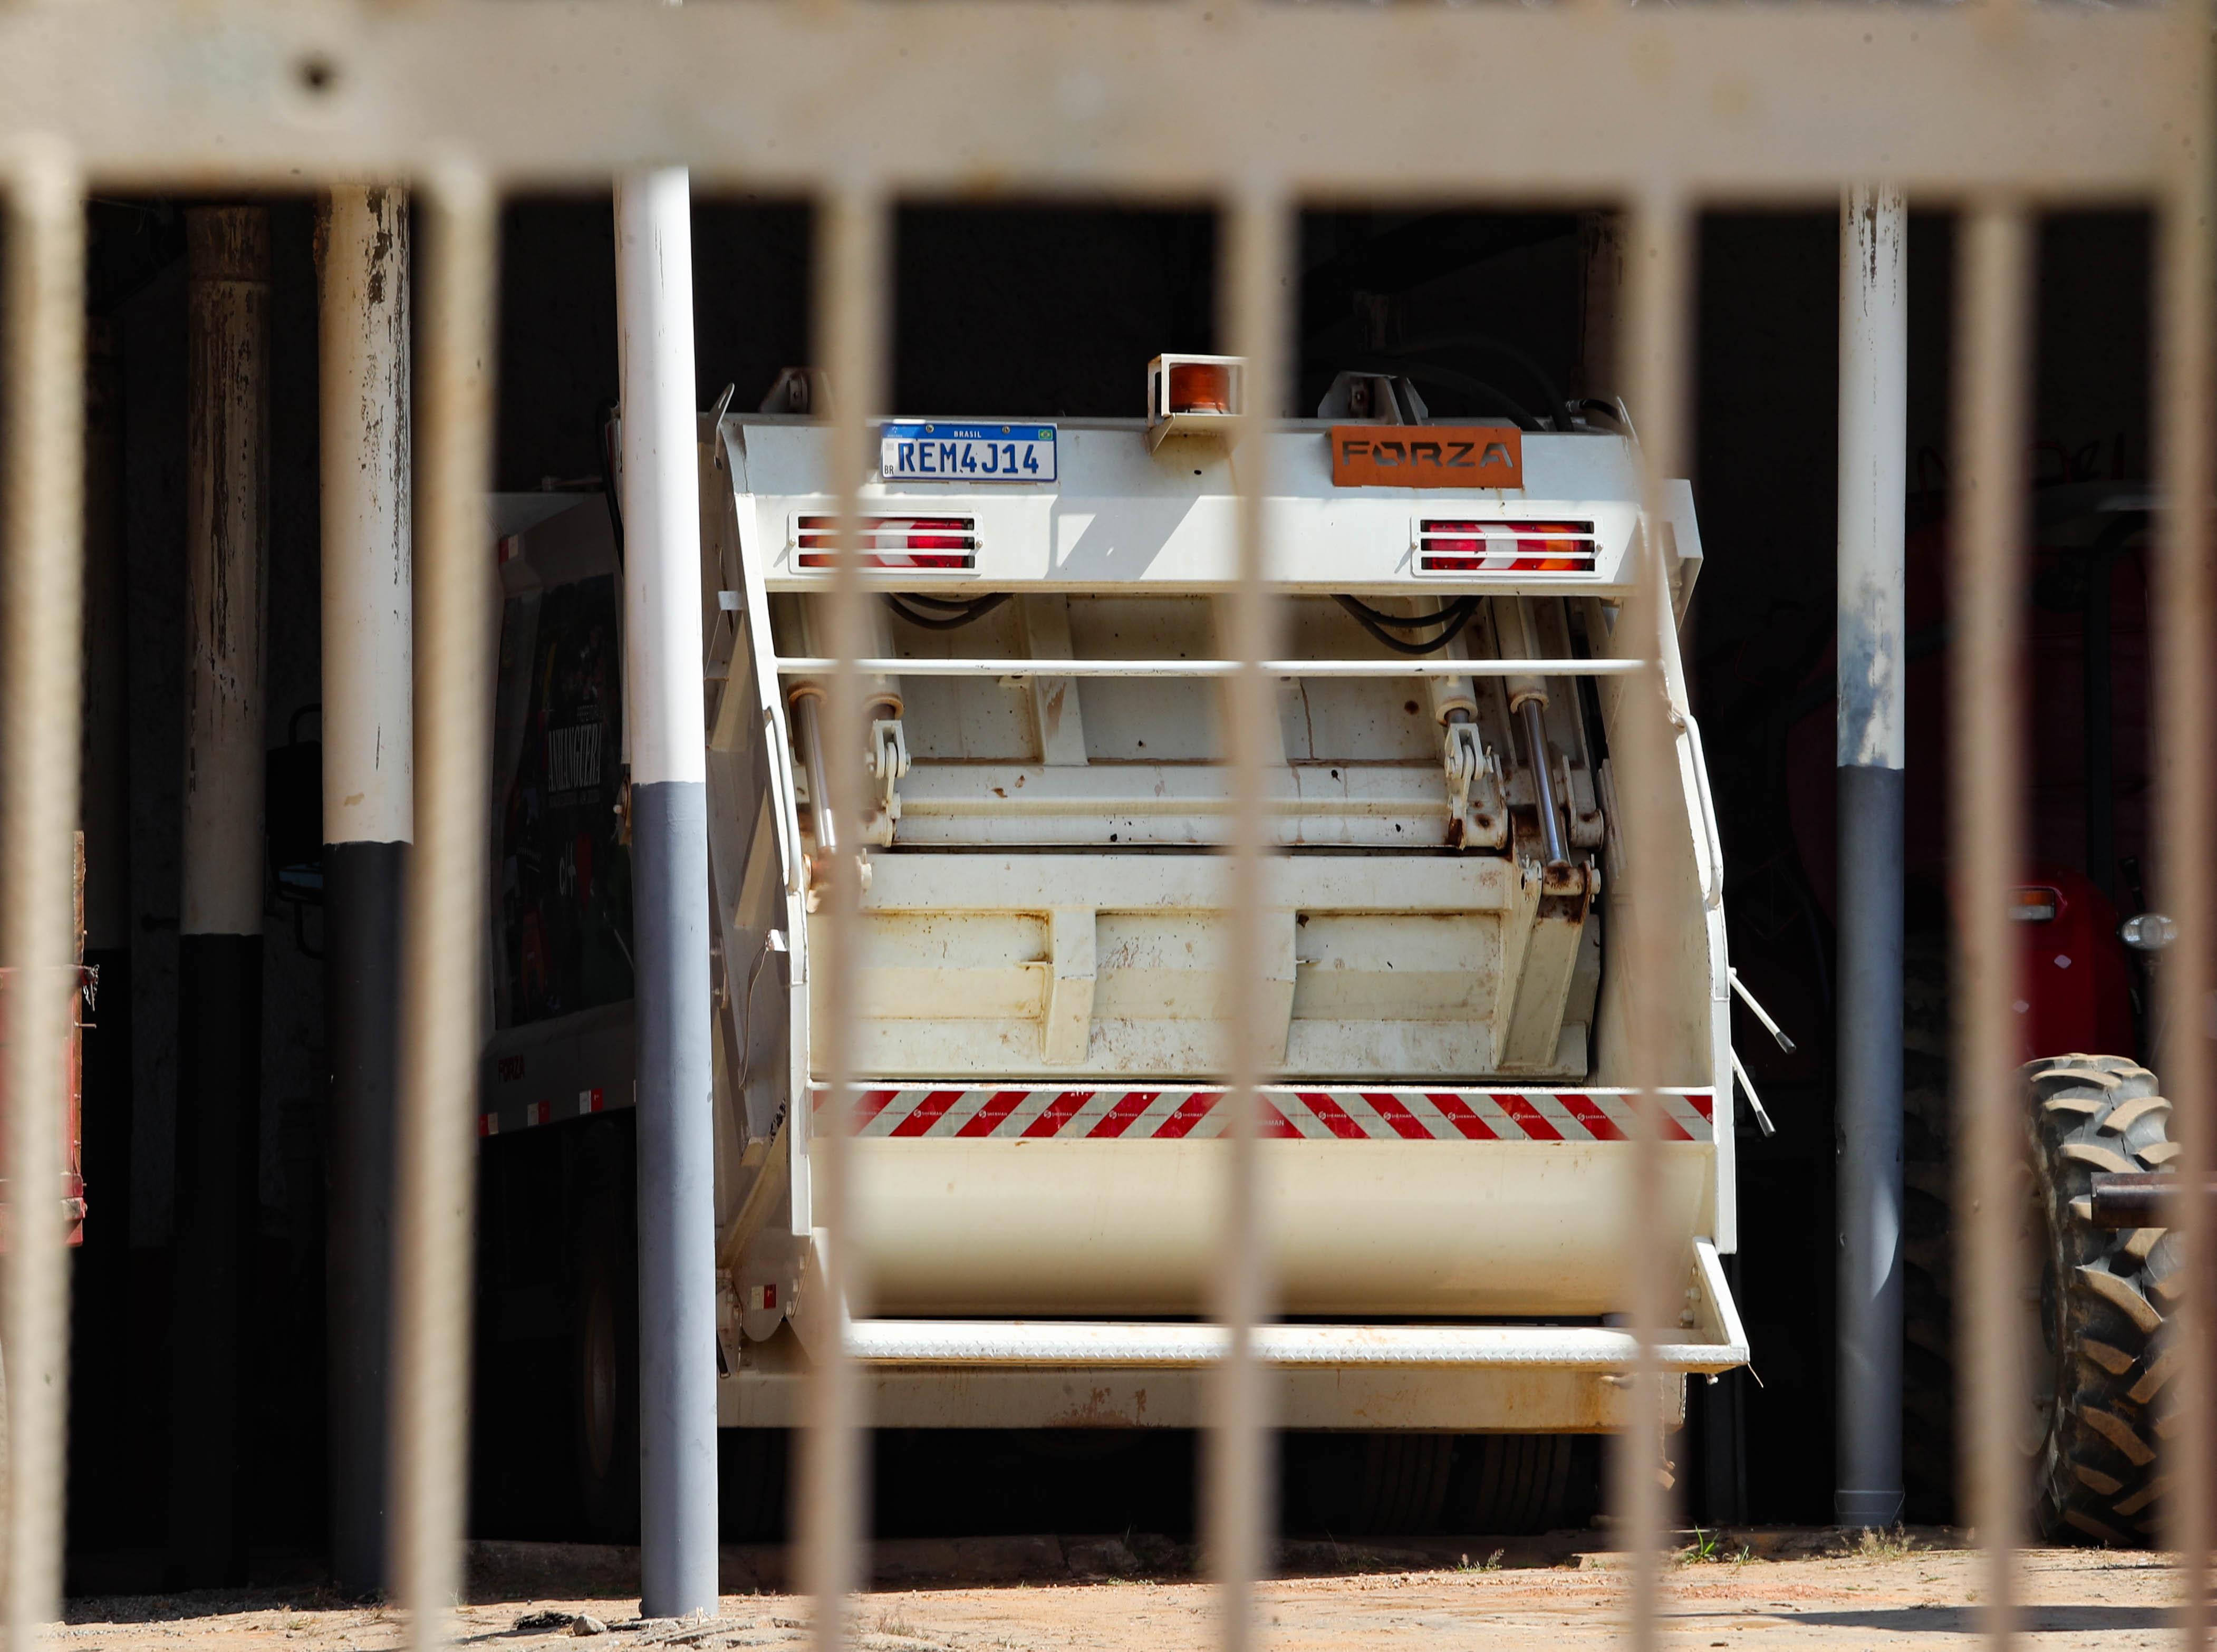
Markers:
(1460, 609)
(1356, 605)
(977, 610)
(944, 604)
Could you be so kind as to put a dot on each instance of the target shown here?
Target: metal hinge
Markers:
(888, 763)
(1474, 772)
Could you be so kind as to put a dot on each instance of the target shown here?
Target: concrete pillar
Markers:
(1873, 456)
(220, 948)
(369, 813)
(669, 884)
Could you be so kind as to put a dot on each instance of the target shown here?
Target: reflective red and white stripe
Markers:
(501, 1120)
(1335, 1113)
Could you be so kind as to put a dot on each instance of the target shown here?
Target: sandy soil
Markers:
(2086, 1599)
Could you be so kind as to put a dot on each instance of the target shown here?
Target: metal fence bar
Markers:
(852, 266)
(43, 486)
(1754, 104)
(1257, 240)
(443, 982)
(1657, 277)
(2186, 828)
(1986, 845)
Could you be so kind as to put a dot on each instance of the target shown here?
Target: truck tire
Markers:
(750, 1482)
(2103, 1362)
(605, 1346)
(1516, 1485)
(1381, 1484)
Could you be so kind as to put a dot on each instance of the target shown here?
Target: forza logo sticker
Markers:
(1427, 456)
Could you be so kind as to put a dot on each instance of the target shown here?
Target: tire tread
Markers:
(2106, 1355)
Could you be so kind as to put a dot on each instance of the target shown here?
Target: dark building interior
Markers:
(1054, 312)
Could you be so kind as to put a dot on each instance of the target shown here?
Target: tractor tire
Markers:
(2103, 1362)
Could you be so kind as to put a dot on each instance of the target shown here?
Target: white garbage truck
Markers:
(1037, 1153)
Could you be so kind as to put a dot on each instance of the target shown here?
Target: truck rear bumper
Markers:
(1074, 1374)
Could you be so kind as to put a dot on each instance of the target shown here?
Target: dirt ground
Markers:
(1740, 1590)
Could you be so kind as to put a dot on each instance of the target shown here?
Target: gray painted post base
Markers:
(362, 890)
(212, 1259)
(676, 1199)
(1868, 1490)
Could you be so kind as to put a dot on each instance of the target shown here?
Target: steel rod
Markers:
(2147, 1199)
(445, 924)
(1443, 666)
(1533, 715)
(1659, 277)
(1237, 1489)
(852, 265)
(808, 730)
(1986, 849)
(2186, 725)
(42, 484)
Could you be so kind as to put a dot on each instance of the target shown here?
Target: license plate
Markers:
(966, 453)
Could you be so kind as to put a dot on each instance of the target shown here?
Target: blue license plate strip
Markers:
(918, 451)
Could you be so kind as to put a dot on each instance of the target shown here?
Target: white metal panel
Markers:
(1356, 1228)
(1123, 516)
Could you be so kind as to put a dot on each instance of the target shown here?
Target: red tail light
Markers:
(1504, 546)
(936, 544)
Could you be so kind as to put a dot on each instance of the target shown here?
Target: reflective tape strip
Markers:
(1330, 1113)
(1321, 1112)
(503, 1121)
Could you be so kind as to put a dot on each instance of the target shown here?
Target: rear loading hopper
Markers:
(1039, 1161)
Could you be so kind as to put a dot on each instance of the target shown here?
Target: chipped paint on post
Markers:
(369, 594)
(1874, 466)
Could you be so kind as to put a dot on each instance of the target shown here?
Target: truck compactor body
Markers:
(1037, 1157)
